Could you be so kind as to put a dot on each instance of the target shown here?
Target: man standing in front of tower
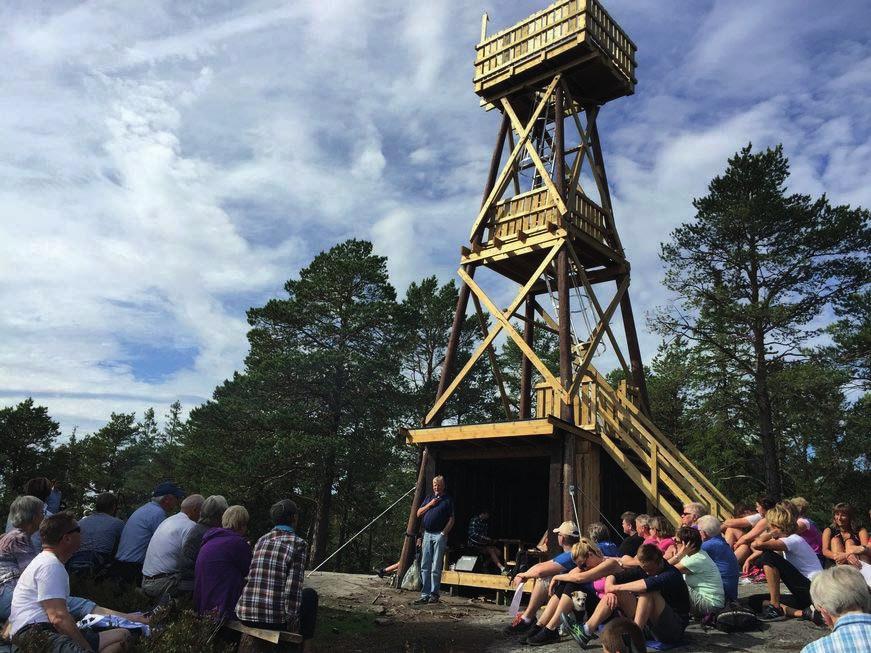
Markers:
(437, 512)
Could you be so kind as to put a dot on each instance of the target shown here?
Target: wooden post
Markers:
(564, 317)
(408, 541)
(525, 363)
(450, 359)
(635, 361)
(565, 324)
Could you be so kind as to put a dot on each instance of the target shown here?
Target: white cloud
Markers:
(166, 165)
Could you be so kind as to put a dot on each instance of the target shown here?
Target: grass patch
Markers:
(337, 624)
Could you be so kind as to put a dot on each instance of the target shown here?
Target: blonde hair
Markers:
(642, 520)
(782, 519)
(235, 518)
(697, 509)
(585, 547)
(801, 504)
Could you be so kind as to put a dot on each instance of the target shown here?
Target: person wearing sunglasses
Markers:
(39, 601)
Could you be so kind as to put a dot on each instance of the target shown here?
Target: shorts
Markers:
(80, 608)
(51, 641)
(701, 606)
(670, 626)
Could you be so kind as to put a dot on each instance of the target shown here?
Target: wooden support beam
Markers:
(512, 332)
(597, 336)
(563, 291)
(591, 295)
(504, 176)
(482, 322)
(502, 321)
(482, 581)
(556, 195)
(525, 363)
(517, 429)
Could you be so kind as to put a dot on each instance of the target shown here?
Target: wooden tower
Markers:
(547, 223)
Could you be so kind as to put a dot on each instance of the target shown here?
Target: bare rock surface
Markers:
(474, 624)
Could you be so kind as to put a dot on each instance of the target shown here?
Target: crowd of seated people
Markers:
(200, 551)
(664, 579)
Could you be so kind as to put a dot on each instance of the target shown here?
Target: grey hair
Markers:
(698, 509)
(193, 502)
(160, 498)
(709, 525)
(235, 518)
(213, 509)
(839, 590)
(597, 532)
(25, 509)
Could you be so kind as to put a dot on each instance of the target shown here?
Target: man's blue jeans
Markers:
(431, 559)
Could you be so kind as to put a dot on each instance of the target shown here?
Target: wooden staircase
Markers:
(666, 476)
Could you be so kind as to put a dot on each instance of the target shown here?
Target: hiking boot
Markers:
(532, 632)
(434, 599)
(519, 626)
(813, 615)
(423, 600)
(543, 637)
(772, 613)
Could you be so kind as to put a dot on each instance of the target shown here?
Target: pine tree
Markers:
(752, 272)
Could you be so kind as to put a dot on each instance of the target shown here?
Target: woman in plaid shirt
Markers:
(274, 597)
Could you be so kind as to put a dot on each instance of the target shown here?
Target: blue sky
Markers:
(165, 165)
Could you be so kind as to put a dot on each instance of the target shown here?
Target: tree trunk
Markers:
(322, 516)
(771, 463)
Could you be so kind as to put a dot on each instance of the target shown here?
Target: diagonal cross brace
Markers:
(516, 337)
(596, 336)
(591, 295)
(479, 350)
(522, 142)
(555, 195)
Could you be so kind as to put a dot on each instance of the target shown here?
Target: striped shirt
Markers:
(274, 589)
(851, 634)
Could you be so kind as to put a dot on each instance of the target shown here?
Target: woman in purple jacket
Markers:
(222, 565)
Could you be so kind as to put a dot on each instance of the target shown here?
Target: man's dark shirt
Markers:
(669, 583)
(629, 546)
(436, 518)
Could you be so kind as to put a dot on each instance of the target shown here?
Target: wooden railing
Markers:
(531, 212)
(561, 24)
(612, 39)
(529, 37)
(655, 463)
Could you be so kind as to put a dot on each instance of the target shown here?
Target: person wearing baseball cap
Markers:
(567, 535)
(139, 529)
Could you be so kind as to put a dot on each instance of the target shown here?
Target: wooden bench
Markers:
(261, 639)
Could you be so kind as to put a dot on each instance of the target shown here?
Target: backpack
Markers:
(735, 618)
(411, 581)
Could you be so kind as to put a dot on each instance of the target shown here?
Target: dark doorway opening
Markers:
(514, 491)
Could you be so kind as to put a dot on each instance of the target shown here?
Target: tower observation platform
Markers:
(571, 446)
